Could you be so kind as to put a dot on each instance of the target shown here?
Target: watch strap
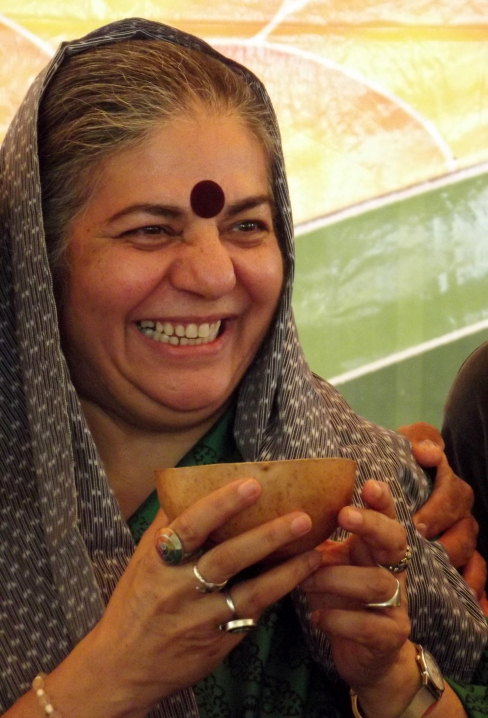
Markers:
(420, 704)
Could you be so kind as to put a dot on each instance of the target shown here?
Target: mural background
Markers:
(383, 107)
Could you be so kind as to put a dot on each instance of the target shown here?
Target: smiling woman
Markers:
(139, 253)
(145, 287)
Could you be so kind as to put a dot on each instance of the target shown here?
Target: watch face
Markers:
(434, 671)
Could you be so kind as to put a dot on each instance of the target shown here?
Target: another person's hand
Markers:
(159, 633)
(446, 515)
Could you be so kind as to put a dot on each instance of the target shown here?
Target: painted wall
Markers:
(383, 107)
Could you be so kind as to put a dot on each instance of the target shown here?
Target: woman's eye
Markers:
(151, 231)
(250, 225)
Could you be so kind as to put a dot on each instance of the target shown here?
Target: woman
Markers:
(166, 220)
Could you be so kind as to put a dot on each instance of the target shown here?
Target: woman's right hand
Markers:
(159, 634)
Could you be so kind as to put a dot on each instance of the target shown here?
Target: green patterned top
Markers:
(474, 696)
(271, 673)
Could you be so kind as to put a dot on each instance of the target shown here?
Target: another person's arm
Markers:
(446, 516)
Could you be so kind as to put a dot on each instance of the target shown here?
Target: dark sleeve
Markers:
(465, 431)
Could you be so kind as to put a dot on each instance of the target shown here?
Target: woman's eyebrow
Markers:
(173, 212)
(248, 203)
(158, 210)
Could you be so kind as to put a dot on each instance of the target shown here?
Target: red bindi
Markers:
(207, 199)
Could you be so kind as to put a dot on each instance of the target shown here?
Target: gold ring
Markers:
(206, 586)
(394, 602)
(401, 565)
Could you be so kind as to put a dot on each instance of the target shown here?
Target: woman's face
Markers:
(145, 268)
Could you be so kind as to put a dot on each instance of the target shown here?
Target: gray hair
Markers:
(109, 99)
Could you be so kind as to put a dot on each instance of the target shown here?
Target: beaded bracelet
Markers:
(48, 710)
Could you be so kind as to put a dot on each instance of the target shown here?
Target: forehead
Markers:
(175, 157)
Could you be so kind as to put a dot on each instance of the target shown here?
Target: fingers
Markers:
(251, 597)
(450, 501)
(366, 628)
(195, 524)
(427, 443)
(475, 574)
(234, 555)
(383, 538)
(421, 431)
(460, 541)
(349, 587)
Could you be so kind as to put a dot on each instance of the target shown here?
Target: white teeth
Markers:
(191, 335)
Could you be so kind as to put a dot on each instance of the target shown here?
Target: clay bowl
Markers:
(320, 487)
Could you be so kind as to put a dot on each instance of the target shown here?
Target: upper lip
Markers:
(186, 320)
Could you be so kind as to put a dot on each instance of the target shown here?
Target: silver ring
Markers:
(402, 565)
(169, 547)
(230, 603)
(240, 625)
(206, 586)
(394, 602)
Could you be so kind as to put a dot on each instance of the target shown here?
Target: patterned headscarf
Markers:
(63, 541)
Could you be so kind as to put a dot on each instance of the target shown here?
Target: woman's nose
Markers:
(204, 265)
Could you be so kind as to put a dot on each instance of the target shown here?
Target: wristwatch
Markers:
(430, 691)
(432, 686)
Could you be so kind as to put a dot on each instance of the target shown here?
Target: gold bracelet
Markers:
(48, 710)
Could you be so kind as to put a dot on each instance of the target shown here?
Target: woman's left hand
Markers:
(370, 645)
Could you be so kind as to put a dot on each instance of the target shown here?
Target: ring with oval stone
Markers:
(170, 547)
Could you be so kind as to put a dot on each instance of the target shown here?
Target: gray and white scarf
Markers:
(63, 541)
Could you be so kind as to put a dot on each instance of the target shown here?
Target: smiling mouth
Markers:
(180, 334)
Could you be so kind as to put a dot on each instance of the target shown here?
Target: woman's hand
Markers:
(159, 634)
(370, 646)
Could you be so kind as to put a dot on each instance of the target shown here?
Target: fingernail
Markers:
(301, 524)
(314, 560)
(353, 517)
(422, 529)
(377, 488)
(428, 444)
(249, 489)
